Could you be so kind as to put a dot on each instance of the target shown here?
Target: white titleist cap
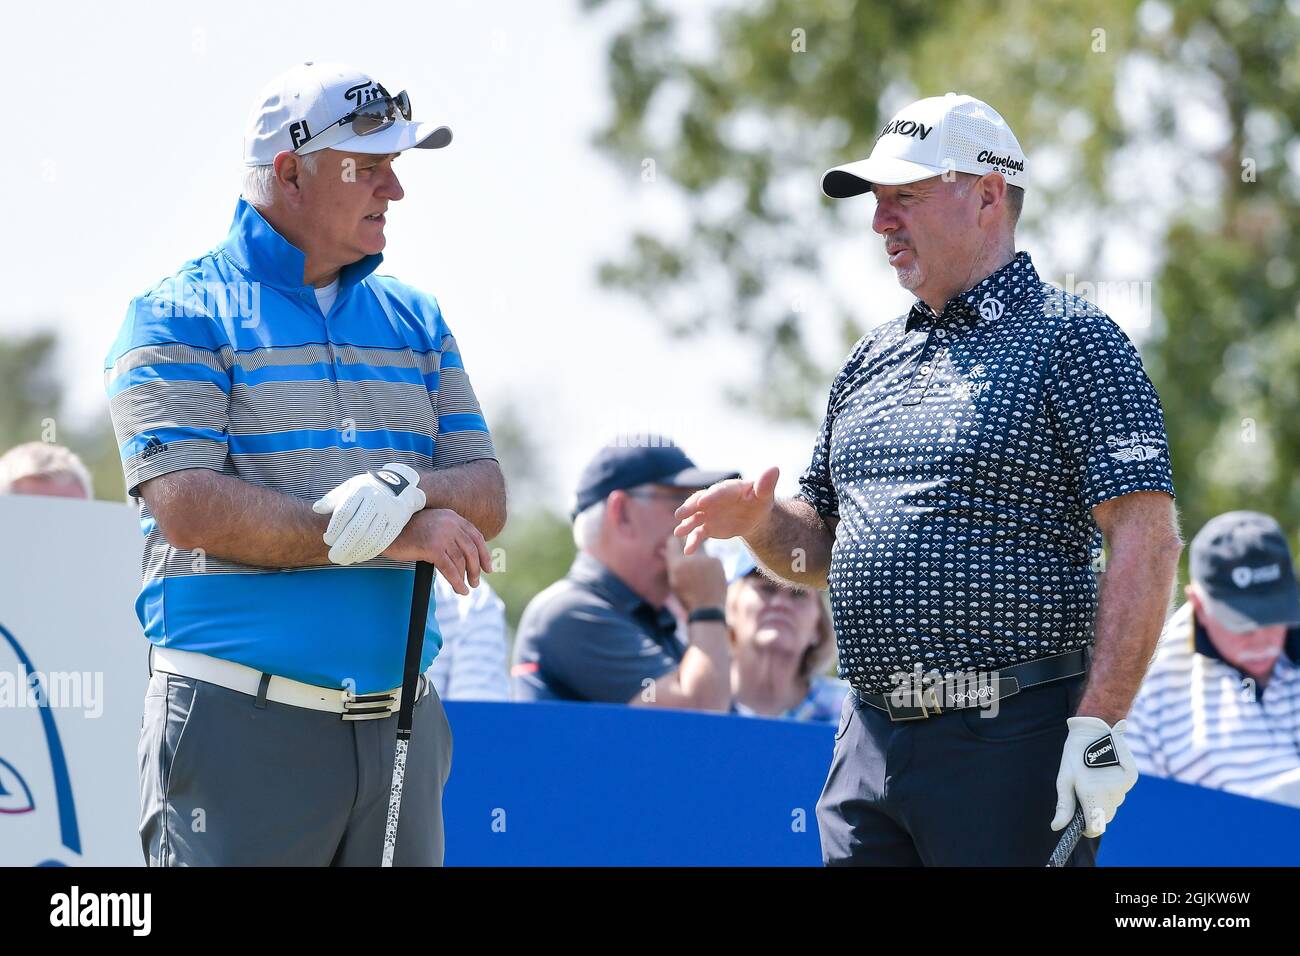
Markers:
(301, 108)
(928, 138)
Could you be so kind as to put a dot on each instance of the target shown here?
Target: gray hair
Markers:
(259, 181)
(1015, 196)
(589, 521)
(587, 525)
(38, 459)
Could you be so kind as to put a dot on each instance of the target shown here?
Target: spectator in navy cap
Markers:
(604, 632)
(1220, 706)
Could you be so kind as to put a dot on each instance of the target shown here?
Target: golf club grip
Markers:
(414, 645)
(1069, 839)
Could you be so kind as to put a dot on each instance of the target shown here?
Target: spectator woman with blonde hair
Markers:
(782, 644)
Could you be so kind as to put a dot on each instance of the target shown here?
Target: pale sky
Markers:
(123, 158)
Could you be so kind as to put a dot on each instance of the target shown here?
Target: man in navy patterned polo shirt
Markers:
(974, 451)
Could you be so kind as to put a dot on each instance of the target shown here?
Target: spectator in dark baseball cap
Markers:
(604, 632)
(1220, 706)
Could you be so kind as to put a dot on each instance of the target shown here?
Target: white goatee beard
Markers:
(910, 278)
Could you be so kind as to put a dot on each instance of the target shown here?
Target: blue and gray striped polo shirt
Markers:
(230, 365)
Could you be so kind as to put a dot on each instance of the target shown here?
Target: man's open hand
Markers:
(727, 509)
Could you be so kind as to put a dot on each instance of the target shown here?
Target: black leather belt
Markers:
(975, 688)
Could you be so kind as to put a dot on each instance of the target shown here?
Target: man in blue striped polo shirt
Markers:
(298, 430)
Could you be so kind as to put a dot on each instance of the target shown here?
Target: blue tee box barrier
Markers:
(559, 784)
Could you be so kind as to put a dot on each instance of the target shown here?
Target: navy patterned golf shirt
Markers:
(962, 454)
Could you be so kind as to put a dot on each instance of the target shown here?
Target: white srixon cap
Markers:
(307, 99)
(928, 138)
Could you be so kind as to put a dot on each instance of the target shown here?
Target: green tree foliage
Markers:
(536, 547)
(1175, 123)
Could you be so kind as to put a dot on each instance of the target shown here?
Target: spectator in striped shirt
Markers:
(472, 629)
(1220, 706)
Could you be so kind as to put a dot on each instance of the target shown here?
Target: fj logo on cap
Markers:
(1101, 753)
(299, 133)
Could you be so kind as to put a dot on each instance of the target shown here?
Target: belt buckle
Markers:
(899, 715)
(918, 711)
(368, 706)
(927, 700)
(378, 706)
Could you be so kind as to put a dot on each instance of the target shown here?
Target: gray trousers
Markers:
(225, 782)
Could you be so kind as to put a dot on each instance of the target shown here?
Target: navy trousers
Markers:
(958, 789)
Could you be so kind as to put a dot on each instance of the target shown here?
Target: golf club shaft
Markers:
(1069, 839)
(406, 712)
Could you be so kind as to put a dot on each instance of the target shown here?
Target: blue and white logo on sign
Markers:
(30, 800)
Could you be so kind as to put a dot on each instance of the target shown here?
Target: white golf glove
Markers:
(369, 512)
(1097, 769)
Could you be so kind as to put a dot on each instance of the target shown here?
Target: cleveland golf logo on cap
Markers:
(1001, 163)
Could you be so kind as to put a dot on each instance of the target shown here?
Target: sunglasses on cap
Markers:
(379, 113)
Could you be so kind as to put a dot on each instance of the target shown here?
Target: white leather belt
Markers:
(282, 690)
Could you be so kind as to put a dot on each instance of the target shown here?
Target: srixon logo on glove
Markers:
(393, 479)
(1101, 753)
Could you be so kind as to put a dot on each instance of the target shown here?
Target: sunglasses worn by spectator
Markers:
(770, 589)
(679, 497)
(379, 113)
